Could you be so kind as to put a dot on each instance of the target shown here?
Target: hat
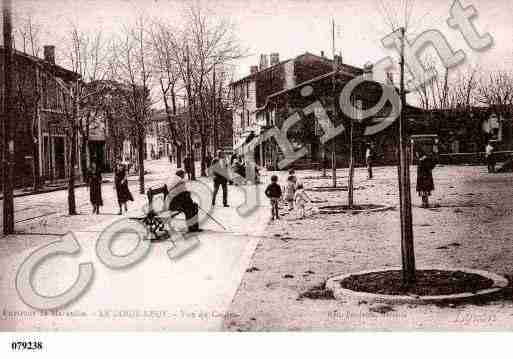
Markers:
(180, 172)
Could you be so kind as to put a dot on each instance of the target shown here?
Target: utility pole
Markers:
(407, 250)
(335, 112)
(8, 138)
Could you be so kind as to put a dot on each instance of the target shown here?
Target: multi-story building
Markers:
(42, 98)
(251, 92)
(271, 94)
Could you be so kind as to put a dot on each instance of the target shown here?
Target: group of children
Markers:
(295, 195)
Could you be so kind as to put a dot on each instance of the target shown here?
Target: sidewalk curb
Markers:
(49, 190)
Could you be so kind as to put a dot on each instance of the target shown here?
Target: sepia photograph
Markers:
(255, 166)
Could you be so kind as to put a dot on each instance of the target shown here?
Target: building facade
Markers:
(42, 99)
(251, 92)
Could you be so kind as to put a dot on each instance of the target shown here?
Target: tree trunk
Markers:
(141, 161)
(83, 157)
(203, 156)
(351, 167)
(178, 156)
(72, 210)
(36, 180)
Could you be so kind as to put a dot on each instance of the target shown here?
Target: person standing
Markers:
(273, 192)
(220, 169)
(425, 184)
(95, 188)
(290, 188)
(301, 199)
(490, 161)
(368, 160)
(121, 187)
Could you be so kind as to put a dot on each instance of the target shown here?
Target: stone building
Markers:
(251, 92)
(42, 97)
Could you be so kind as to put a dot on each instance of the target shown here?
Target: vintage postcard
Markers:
(243, 165)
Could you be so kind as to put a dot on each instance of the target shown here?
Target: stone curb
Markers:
(333, 283)
(380, 209)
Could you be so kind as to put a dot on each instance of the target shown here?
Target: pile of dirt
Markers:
(429, 282)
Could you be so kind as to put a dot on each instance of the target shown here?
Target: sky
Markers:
(291, 27)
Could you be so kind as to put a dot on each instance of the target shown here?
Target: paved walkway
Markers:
(190, 293)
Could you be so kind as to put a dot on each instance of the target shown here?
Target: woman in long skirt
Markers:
(121, 186)
(425, 184)
(95, 188)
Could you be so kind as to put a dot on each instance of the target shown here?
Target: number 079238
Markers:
(28, 345)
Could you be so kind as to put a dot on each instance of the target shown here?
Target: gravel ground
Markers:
(468, 225)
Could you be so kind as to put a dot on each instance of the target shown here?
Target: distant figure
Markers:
(490, 160)
(95, 188)
(187, 165)
(425, 182)
(292, 174)
(290, 189)
(233, 158)
(238, 172)
(121, 186)
(368, 160)
(208, 160)
(325, 163)
(220, 169)
(301, 199)
(273, 192)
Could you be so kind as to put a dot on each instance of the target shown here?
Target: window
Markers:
(247, 117)
(247, 90)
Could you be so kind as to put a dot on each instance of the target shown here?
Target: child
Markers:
(301, 198)
(292, 174)
(289, 191)
(273, 192)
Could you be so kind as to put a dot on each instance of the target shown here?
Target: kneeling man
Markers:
(181, 200)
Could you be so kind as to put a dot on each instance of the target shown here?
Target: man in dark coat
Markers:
(220, 169)
(181, 200)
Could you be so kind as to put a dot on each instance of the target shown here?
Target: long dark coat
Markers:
(122, 190)
(425, 174)
(95, 188)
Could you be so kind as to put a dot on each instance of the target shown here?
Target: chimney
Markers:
(322, 54)
(275, 58)
(253, 69)
(49, 53)
(264, 63)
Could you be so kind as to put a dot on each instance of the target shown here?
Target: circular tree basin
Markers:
(320, 177)
(432, 285)
(357, 208)
(333, 189)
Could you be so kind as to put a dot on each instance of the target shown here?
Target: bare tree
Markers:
(213, 42)
(132, 53)
(86, 54)
(167, 72)
(27, 35)
(496, 91)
